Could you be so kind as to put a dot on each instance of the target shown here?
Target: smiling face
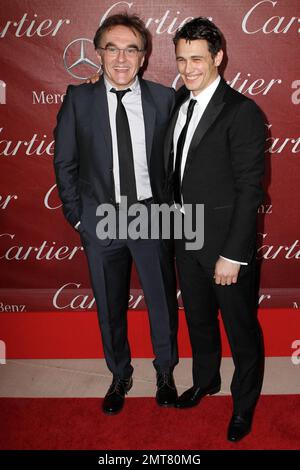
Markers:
(121, 69)
(196, 66)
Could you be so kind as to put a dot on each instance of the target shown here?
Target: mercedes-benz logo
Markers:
(76, 58)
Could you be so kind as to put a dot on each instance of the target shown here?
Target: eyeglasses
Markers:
(114, 51)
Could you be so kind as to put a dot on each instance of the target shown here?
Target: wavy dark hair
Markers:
(201, 28)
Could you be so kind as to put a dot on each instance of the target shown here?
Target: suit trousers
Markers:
(202, 299)
(110, 271)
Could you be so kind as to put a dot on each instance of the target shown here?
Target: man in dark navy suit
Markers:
(109, 145)
(214, 156)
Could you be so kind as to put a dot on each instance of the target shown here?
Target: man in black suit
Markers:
(214, 154)
(108, 145)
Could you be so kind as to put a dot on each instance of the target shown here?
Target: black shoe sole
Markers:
(240, 438)
(112, 413)
(166, 405)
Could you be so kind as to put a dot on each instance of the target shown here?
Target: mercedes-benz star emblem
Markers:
(76, 58)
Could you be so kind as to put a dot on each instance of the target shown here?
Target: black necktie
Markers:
(126, 165)
(179, 150)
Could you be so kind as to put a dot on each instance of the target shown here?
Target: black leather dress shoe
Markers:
(114, 399)
(192, 396)
(166, 394)
(239, 426)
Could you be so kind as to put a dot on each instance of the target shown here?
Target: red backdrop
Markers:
(44, 46)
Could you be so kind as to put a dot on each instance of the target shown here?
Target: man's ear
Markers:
(99, 57)
(218, 58)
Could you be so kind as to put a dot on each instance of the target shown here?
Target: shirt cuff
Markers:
(234, 261)
(77, 225)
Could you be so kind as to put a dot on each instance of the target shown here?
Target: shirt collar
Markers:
(205, 96)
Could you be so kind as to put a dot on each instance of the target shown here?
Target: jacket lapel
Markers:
(209, 116)
(149, 111)
(101, 119)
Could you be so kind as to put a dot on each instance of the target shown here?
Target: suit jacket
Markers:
(83, 158)
(223, 171)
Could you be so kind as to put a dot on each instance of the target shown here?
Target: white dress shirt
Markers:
(202, 101)
(132, 102)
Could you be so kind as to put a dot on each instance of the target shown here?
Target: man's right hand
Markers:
(226, 272)
(93, 79)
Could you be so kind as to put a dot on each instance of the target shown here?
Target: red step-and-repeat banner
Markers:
(44, 46)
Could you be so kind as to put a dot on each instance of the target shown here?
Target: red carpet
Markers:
(69, 335)
(51, 423)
